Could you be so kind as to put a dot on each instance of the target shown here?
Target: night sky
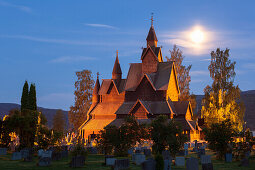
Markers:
(46, 42)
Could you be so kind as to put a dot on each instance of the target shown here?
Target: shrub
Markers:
(159, 162)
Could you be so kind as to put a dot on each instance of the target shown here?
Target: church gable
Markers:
(189, 113)
(173, 88)
(139, 111)
(149, 62)
(112, 89)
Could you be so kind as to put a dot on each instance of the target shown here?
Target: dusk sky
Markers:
(46, 42)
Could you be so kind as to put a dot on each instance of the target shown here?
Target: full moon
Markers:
(197, 36)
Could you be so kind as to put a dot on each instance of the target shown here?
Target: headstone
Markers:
(138, 151)
(47, 154)
(147, 152)
(130, 151)
(40, 151)
(24, 153)
(186, 146)
(186, 152)
(3, 151)
(139, 158)
(200, 152)
(228, 157)
(110, 161)
(167, 164)
(16, 156)
(199, 145)
(149, 164)
(180, 161)
(181, 153)
(56, 156)
(44, 161)
(207, 166)
(206, 159)
(247, 154)
(121, 164)
(133, 157)
(245, 162)
(166, 155)
(64, 154)
(77, 161)
(192, 164)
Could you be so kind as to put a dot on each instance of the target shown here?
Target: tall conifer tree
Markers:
(32, 98)
(25, 97)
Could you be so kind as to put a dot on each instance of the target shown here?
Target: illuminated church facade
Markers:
(150, 89)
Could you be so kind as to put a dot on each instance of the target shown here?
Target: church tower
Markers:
(95, 95)
(116, 72)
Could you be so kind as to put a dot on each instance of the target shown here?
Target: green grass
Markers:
(95, 162)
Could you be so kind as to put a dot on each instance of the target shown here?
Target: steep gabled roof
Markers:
(151, 35)
(156, 50)
(116, 67)
(118, 85)
(181, 107)
(96, 88)
(186, 125)
(105, 86)
(146, 51)
(150, 80)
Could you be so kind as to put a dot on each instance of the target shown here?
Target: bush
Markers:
(79, 150)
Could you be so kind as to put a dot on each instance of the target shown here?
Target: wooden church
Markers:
(150, 89)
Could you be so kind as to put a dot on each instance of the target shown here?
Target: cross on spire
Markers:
(117, 53)
(152, 19)
(97, 75)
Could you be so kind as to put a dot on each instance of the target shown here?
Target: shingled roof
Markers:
(116, 68)
(160, 79)
(96, 88)
(155, 50)
(152, 35)
(181, 107)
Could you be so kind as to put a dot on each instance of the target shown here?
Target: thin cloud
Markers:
(69, 59)
(199, 73)
(19, 7)
(101, 26)
(68, 42)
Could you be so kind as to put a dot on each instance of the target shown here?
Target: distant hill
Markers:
(49, 113)
(248, 97)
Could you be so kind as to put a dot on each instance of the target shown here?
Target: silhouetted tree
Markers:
(25, 97)
(32, 98)
(59, 122)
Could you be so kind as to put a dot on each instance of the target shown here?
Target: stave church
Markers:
(150, 89)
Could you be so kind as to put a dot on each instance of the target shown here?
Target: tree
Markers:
(123, 138)
(25, 98)
(167, 134)
(59, 122)
(83, 95)
(183, 76)
(219, 137)
(32, 98)
(222, 99)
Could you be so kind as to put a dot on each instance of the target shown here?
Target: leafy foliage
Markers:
(79, 150)
(222, 99)
(123, 138)
(167, 134)
(219, 137)
(59, 122)
(83, 96)
(183, 76)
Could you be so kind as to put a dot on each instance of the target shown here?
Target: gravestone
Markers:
(206, 159)
(186, 146)
(166, 155)
(39, 153)
(47, 154)
(200, 152)
(186, 152)
(181, 153)
(24, 153)
(244, 162)
(192, 164)
(110, 161)
(133, 157)
(247, 154)
(138, 151)
(56, 156)
(207, 166)
(147, 152)
(167, 164)
(64, 154)
(139, 158)
(149, 164)
(77, 161)
(44, 161)
(180, 161)
(16, 156)
(130, 151)
(121, 164)
(3, 151)
(228, 157)
(199, 145)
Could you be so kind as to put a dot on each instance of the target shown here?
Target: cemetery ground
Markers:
(95, 162)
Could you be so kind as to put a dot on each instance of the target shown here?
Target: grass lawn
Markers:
(95, 162)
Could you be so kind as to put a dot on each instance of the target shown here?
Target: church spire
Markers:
(116, 72)
(152, 38)
(97, 86)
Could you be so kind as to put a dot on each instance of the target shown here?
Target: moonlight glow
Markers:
(197, 36)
